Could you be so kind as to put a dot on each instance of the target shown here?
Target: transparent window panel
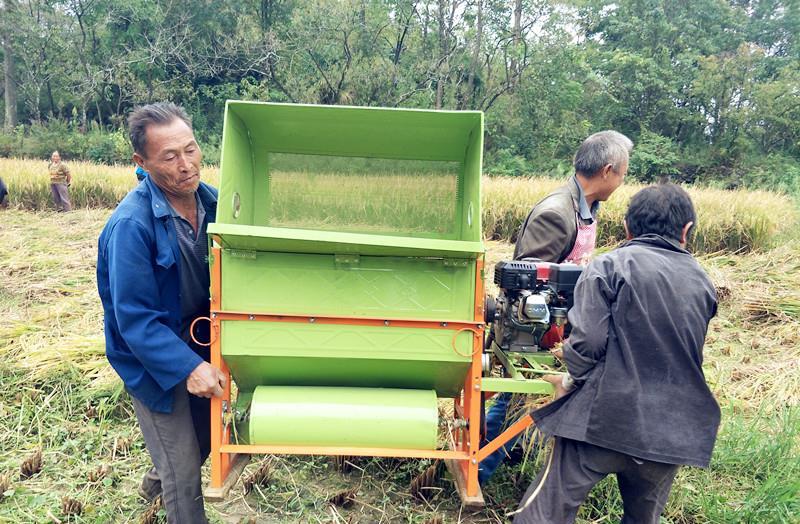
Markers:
(363, 195)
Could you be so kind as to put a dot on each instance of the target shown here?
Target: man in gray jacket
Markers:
(635, 402)
(562, 226)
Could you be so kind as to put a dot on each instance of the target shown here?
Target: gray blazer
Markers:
(550, 230)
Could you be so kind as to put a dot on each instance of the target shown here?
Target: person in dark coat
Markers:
(635, 402)
(3, 195)
(562, 227)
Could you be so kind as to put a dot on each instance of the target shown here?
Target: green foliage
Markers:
(40, 140)
(654, 158)
(108, 148)
(732, 489)
(505, 163)
(776, 173)
(708, 90)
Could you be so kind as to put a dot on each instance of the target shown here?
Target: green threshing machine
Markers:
(347, 288)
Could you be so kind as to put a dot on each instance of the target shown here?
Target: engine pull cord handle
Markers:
(453, 342)
(212, 335)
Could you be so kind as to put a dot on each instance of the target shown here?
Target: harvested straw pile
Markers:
(60, 395)
(48, 297)
(753, 347)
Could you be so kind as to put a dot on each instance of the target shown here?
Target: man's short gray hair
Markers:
(601, 149)
(160, 113)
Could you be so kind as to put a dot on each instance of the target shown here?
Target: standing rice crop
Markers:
(733, 221)
(93, 185)
(730, 221)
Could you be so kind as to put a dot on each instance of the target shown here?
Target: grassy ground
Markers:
(738, 221)
(59, 396)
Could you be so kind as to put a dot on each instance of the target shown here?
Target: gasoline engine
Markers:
(534, 299)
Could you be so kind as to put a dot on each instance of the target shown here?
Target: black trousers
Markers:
(178, 443)
(574, 469)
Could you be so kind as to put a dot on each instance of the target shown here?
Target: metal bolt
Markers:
(251, 317)
(213, 315)
(444, 324)
(312, 320)
(474, 461)
(385, 322)
(477, 387)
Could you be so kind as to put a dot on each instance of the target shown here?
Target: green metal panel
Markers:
(535, 359)
(283, 353)
(253, 132)
(239, 175)
(257, 238)
(386, 287)
(358, 131)
(358, 417)
(471, 185)
(510, 385)
(348, 211)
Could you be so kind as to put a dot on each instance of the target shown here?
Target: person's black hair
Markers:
(662, 210)
(160, 113)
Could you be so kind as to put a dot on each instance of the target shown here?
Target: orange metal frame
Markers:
(465, 440)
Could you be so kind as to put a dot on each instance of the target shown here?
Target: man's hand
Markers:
(206, 381)
(556, 381)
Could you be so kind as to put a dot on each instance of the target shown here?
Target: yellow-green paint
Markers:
(312, 354)
(404, 244)
(335, 416)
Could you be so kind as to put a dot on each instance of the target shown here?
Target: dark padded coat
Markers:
(636, 352)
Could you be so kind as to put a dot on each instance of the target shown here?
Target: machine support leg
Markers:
(220, 462)
(475, 403)
(225, 468)
(216, 494)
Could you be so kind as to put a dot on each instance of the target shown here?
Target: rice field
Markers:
(70, 450)
(728, 221)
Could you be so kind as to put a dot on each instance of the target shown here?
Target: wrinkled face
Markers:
(55, 158)
(172, 158)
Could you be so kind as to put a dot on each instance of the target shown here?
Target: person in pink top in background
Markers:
(562, 227)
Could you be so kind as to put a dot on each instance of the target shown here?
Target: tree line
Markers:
(709, 90)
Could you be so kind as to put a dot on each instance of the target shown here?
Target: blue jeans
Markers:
(495, 419)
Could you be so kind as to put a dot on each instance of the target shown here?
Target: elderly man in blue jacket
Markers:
(153, 279)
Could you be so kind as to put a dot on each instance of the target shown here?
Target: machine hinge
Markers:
(455, 262)
(242, 253)
(350, 259)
